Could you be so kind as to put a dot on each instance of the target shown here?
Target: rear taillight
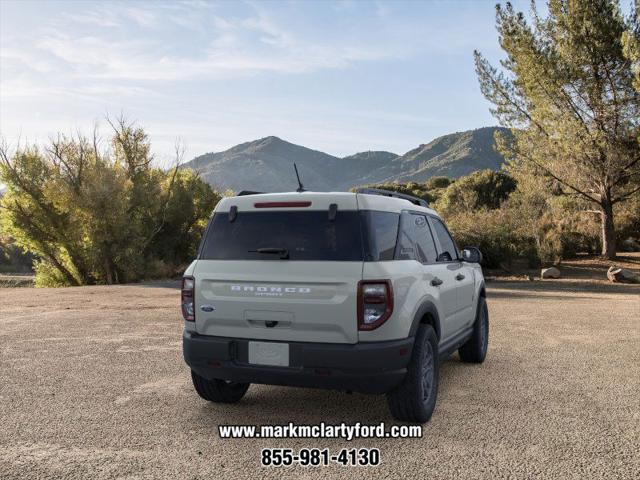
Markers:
(375, 303)
(281, 204)
(188, 294)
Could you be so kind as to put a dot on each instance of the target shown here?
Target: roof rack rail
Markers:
(247, 192)
(390, 193)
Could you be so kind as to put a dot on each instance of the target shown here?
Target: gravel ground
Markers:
(93, 385)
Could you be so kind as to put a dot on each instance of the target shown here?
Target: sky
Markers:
(340, 77)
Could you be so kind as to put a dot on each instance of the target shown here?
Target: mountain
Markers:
(266, 164)
(452, 156)
(357, 168)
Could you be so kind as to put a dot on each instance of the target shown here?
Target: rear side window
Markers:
(379, 232)
(448, 249)
(415, 240)
(305, 235)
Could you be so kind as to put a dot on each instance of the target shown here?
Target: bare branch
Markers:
(626, 196)
(179, 152)
(555, 177)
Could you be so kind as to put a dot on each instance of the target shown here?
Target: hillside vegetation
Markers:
(266, 165)
(570, 92)
(91, 214)
(561, 177)
(518, 223)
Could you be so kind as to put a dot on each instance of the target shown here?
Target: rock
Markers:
(622, 275)
(551, 272)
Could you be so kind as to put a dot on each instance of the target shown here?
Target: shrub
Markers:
(102, 217)
(493, 232)
(482, 189)
(435, 183)
(12, 258)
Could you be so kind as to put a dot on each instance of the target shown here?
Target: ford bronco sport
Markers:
(361, 292)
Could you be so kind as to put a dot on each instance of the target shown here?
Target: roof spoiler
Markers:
(390, 193)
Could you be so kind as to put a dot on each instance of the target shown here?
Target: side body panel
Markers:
(466, 294)
(412, 288)
(448, 294)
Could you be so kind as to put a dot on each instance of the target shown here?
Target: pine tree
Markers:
(566, 89)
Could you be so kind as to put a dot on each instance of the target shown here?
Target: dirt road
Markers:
(92, 385)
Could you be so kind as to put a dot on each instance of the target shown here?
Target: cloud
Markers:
(234, 46)
(169, 42)
(99, 17)
(177, 63)
(142, 17)
(227, 55)
(110, 16)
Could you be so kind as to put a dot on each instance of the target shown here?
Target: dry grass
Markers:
(8, 280)
(583, 268)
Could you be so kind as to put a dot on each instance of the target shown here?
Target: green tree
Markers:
(429, 191)
(93, 216)
(185, 219)
(435, 183)
(567, 91)
(481, 189)
(631, 41)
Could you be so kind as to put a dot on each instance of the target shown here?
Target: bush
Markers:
(47, 276)
(493, 232)
(102, 217)
(13, 259)
(429, 191)
(482, 189)
(435, 183)
(628, 220)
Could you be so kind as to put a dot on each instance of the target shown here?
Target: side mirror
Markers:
(471, 255)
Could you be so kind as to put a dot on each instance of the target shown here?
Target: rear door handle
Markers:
(459, 276)
(436, 282)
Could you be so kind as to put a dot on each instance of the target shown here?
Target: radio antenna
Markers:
(300, 186)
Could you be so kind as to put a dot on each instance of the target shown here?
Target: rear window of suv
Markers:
(308, 235)
(304, 235)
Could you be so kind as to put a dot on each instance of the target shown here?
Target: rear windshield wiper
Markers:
(283, 252)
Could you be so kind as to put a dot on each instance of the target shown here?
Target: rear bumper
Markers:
(375, 367)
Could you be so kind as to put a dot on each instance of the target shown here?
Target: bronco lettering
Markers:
(269, 289)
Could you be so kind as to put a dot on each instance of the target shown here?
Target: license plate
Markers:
(269, 353)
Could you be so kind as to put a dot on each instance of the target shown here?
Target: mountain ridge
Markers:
(266, 164)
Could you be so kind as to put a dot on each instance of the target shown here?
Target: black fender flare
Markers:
(482, 291)
(427, 307)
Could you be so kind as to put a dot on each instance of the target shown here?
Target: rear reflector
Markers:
(281, 204)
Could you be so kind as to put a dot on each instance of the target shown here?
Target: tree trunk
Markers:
(68, 276)
(608, 230)
(107, 271)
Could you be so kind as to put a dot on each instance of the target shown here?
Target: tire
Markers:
(218, 391)
(475, 349)
(415, 398)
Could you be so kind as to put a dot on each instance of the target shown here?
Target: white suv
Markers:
(361, 292)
